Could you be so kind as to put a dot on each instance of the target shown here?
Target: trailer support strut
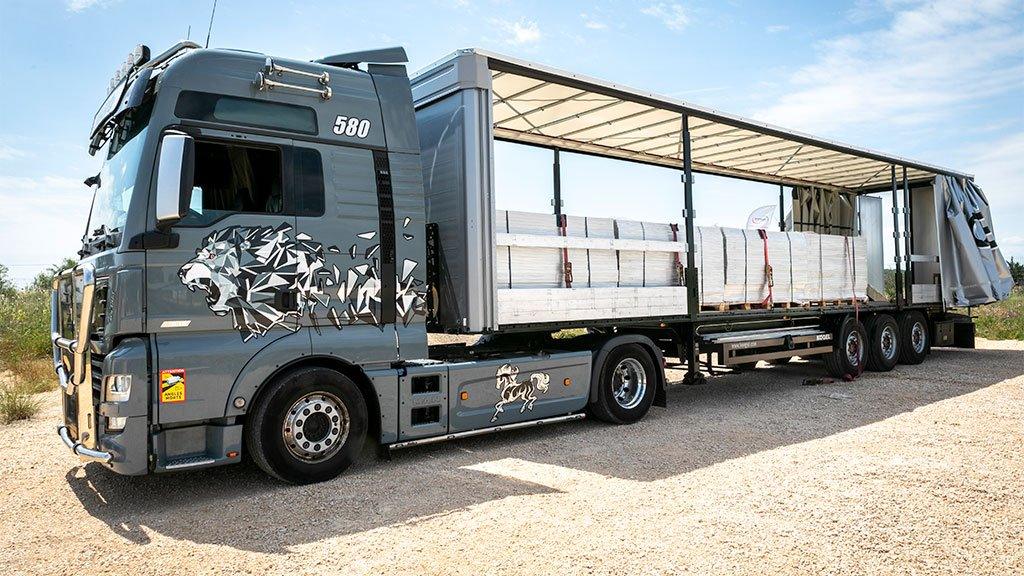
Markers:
(900, 297)
(693, 373)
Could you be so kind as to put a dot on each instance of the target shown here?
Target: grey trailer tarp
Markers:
(973, 267)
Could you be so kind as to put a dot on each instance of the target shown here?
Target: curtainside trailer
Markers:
(271, 242)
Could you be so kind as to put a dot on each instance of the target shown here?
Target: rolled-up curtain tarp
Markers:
(979, 272)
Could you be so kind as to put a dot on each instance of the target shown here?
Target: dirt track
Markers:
(918, 471)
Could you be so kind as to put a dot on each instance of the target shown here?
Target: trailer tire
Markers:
(883, 343)
(846, 360)
(308, 426)
(626, 385)
(915, 341)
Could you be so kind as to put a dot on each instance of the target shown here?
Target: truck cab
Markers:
(251, 212)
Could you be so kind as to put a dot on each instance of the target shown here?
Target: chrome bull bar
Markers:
(77, 382)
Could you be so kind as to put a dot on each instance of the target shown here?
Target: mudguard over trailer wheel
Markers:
(883, 343)
(308, 426)
(846, 360)
(915, 341)
(626, 385)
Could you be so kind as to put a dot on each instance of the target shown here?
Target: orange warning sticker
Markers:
(172, 385)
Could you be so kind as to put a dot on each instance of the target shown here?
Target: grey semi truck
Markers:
(271, 242)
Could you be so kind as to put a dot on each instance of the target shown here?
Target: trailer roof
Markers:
(537, 104)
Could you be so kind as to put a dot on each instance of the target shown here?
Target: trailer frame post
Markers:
(693, 373)
(782, 210)
(556, 169)
(898, 284)
(908, 244)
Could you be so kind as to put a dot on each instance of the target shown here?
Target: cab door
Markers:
(228, 288)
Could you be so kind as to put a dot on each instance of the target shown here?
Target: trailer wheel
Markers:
(309, 426)
(626, 385)
(883, 343)
(849, 347)
(915, 342)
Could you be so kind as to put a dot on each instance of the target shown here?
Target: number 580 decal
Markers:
(351, 126)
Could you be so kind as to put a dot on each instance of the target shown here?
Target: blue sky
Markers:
(941, 81)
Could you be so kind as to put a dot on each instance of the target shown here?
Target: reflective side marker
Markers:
(464, 395)
(567, 382)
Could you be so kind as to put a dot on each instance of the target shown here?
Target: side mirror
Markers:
(174, 173)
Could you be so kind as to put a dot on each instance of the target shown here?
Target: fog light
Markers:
(118, 387)
(115, 424)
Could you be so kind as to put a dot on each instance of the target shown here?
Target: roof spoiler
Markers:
(392, 55)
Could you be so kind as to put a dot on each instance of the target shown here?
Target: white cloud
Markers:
(590, 22)
(673, 16)
(776, 28)
(80, 5)
(8, 152)
(520, 32)
(930, 58)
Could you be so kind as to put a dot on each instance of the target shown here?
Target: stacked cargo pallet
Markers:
(629, 269)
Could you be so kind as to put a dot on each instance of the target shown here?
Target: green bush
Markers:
(24, 326)
(17, 405)
(1002, 320)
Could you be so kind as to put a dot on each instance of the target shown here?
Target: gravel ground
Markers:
(918, 471)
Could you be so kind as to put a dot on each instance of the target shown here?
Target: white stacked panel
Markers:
(660, 268)
(806, 266)
(603, 264)
(532, 267)
(843, 267)
(710, 261)
(529, 306)
(631, 263)
(735, 266)
(780, 258)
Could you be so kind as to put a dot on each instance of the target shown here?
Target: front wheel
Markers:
(626, 385)
(308, 426)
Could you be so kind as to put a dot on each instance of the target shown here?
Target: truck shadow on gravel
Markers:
(731, 417)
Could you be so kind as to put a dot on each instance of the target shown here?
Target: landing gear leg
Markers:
(693, 376)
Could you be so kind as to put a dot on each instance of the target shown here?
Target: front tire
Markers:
(308, 426)
(846, 360)
(626, 385)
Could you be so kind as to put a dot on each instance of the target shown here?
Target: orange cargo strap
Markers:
(679, 261)
(769, 276)
(566, 264)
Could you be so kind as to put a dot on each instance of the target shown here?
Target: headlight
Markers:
(118, 387)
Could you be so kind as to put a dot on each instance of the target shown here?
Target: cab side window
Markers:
(232, 179)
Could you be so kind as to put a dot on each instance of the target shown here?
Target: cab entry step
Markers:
(767, 344)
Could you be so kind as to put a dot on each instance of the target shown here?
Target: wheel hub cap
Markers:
(917, 337)
(315, 427)
(853, 349)
(888, 343)
(629, 383)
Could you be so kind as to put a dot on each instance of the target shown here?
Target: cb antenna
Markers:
(210, 29)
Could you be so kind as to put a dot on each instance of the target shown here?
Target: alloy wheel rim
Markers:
(316, 427)
(629, 383)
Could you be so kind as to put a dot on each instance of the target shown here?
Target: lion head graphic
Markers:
(246, 270)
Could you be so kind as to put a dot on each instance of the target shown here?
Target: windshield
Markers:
(117, 176)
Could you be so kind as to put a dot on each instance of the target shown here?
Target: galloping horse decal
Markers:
(512, 391)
